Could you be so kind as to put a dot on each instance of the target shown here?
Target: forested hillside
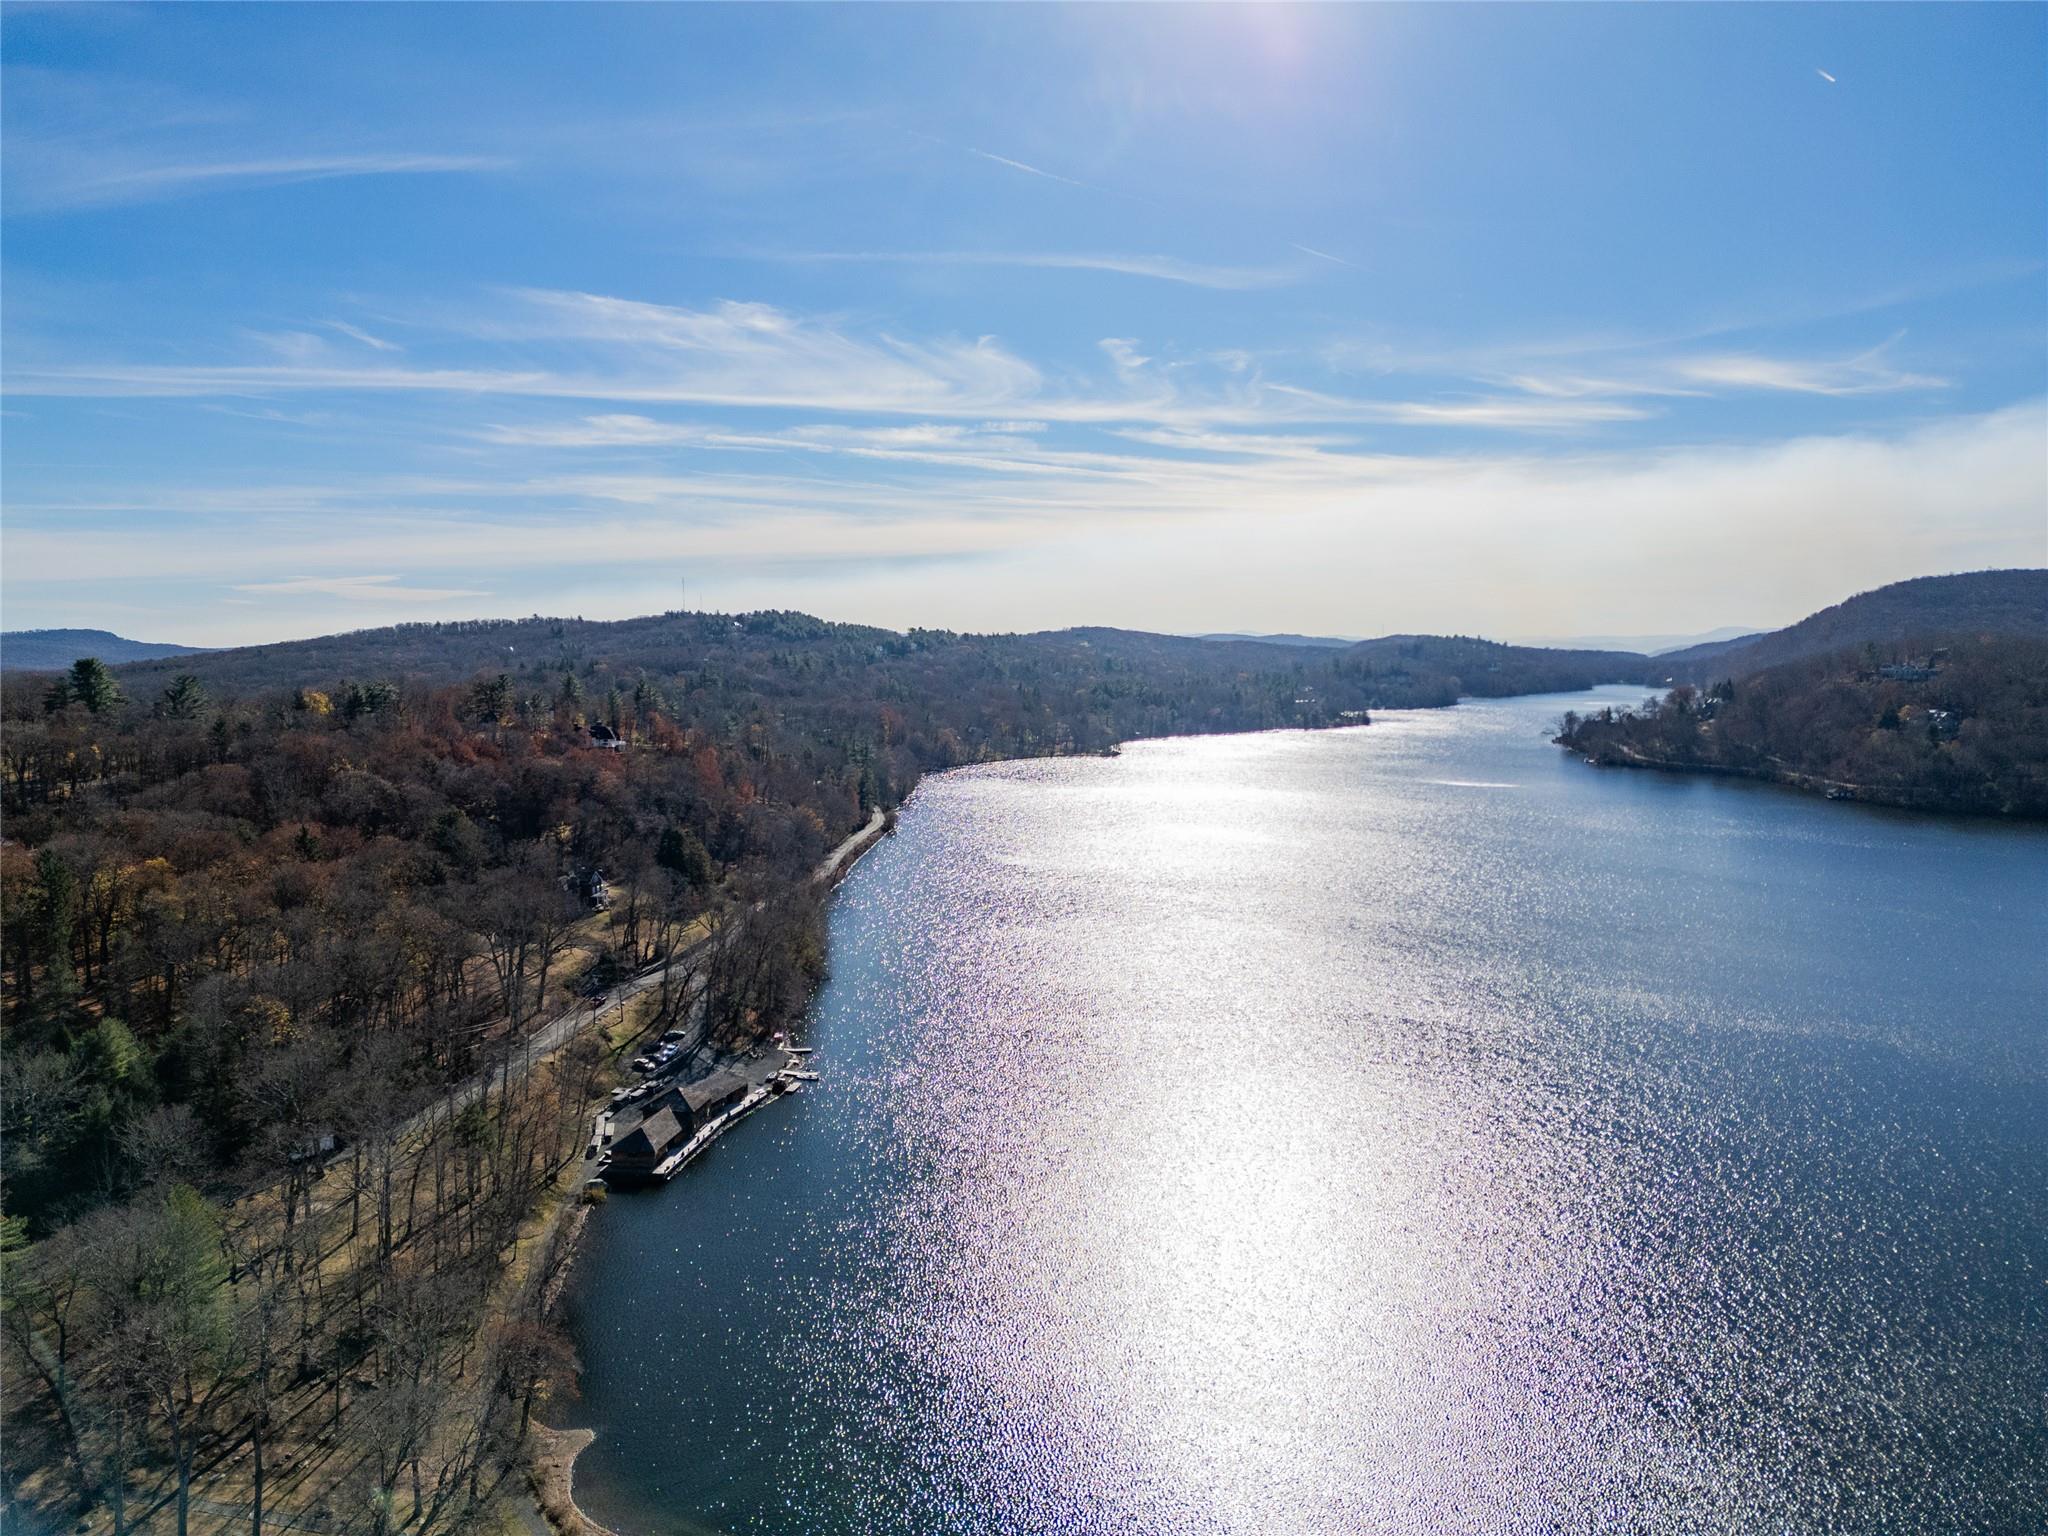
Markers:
(1440, 669)
(49, 650)
(311, 843)
(1085, 682)
(1921, 611)
(265, 907)
(1955, 726)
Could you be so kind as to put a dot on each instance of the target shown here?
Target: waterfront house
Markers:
(693, 1104)
(606, 739)
(635, 1155)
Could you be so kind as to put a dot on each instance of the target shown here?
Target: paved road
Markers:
(847, 849)
(565, 1026)
(549, 1038)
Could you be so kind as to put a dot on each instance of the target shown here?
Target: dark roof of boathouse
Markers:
(648, 1140)
(705, 1093)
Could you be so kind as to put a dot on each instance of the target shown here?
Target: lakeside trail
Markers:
(841, 859)
(552, 1458)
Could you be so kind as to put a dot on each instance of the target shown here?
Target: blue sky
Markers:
(1541, 320)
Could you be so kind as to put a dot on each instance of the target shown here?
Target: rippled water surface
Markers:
(1405, 1129)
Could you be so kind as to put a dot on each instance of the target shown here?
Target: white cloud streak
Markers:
(360, 589)
(747, 355)
(357, 333)
(629, 352)
(1864, 375)
(1169, 530)
(1168, 269)
(58, 179)
(1029, 170)
(1660, 368)
(1815, 502)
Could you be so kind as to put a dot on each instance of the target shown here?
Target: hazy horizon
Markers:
(1556, 322)
(1651, 642)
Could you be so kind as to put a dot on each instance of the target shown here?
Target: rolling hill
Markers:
(1647, 645)
(1323, 640)
(785, 658)
(1929, 694)
(2013, 602)
(52, 650)
(1489, 669)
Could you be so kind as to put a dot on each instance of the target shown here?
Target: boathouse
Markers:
(692, 1104)
(635, 1155)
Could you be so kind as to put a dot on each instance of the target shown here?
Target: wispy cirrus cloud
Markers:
(1167, 269)
(1620, 367)
(1309, 250)
(998, 447)
(1029, 170)
(357, 333)
(1468, 529)
(594, 346)
(51, 178)
(360, 589)
(1865, 374)
(1720, 373)
(1490, 411)
(570, 345)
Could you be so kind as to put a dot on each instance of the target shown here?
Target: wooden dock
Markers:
(785, 1081)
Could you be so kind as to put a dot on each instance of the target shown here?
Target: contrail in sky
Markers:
(1019, 165)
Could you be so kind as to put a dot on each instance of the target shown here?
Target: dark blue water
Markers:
(1403, 1129)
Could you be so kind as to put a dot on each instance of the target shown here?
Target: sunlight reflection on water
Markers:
(1267, 1134)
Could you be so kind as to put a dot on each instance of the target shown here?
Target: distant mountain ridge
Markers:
(2013, 602)
(1645, 645)
(1489, 669)
(1322, 640)
(52, 650)
(1395, 671)
(2008, 602)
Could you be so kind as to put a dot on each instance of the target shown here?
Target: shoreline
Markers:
(552, 1460)
(1840, 791)
(625, 1488)
(551, 1469)
(551, 1453)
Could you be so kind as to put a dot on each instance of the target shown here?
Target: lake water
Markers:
(1404, 1129)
